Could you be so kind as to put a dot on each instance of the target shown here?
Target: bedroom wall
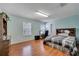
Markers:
(69, 22)
(15, 28)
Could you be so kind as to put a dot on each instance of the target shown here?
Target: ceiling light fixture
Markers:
(41, 13)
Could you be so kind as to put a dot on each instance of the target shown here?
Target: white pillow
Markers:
(63, 34)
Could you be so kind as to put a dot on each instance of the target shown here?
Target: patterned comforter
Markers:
(65, 41)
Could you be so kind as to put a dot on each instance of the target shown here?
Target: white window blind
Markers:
(26, 28)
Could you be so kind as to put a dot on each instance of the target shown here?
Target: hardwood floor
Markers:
(34, 48)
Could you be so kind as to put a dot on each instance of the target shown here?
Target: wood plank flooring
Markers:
(34, 48)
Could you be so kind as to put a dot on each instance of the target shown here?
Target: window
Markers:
(42, 29)
(46, 26)
(27, 28)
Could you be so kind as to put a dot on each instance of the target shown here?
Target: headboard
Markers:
(72, 31)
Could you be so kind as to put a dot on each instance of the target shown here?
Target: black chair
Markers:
(37, 37)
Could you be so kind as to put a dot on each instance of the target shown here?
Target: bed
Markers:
(65, 39)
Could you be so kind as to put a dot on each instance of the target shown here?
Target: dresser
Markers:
(4, 42)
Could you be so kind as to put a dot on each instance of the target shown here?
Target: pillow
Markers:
(67, 31)
(63, 34)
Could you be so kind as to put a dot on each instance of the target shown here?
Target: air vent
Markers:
(63, 4)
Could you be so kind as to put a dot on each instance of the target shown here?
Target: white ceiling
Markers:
(55, 10)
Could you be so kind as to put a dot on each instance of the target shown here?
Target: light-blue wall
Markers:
(15, 28)
(69, 22)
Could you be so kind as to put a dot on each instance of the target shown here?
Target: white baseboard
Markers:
(20, 41)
